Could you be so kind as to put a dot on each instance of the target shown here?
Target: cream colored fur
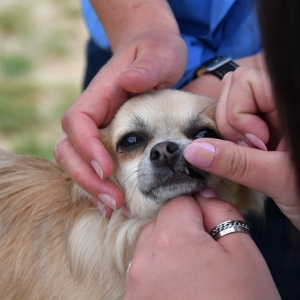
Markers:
(55, 245)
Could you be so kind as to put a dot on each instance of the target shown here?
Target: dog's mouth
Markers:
(195, 173)
(168, 183)
(187, 173)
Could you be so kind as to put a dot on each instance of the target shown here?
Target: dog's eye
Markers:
(131, 141)
(207, 133)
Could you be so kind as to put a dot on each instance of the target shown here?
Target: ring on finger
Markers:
(231, 226)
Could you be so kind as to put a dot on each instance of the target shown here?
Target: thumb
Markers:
(253, 168)
(152, 70)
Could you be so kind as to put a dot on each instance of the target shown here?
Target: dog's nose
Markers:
(164, 152)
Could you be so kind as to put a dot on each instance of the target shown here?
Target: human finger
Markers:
(216, 212)
(223, 125)
(105, 210)
(250, 167)
(180, 260)
(102, 189)
(246, 111)
(172, 215)
(246, 262)
(158, 64)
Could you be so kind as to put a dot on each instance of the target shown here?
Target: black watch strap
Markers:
(217, 66)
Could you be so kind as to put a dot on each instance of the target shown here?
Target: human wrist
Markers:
(207, 85)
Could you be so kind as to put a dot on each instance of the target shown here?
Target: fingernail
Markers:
(101, 208)
(108, 200)
(257, 142)
(208, 193)
(98, 169)
(200, 155)
(133, 69)
(126, 211)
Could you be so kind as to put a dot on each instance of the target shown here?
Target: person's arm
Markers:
(148, 53)
(176, 258)
(146, 34)
(124, 20)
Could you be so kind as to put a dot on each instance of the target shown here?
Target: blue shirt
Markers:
(209, 28)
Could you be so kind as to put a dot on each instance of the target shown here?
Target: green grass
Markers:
(14, 65)
(17, 106)
(15, 19)
(34, 54)
(33, 144)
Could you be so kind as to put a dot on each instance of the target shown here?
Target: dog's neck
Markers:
(111, 240)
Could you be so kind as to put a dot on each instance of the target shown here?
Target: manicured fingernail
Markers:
(257, 142)
(108, 200)
(133, 69)
(101, 208)
(126, 211)
(200, 155)
(98, 169)
(208, 193)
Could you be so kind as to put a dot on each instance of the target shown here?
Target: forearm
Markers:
(125, 19)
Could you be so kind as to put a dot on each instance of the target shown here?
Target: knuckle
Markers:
(164, 240)
(233, 119)
(66, 120)
(59, 147)
(235, 163)
(224, 208)
(226, 79)
(56, 154)
(239, 74)
(137, 270)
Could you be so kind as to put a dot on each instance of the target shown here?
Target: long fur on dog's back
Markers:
(53, 243)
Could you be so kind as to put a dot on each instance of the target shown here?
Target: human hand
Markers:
(246, 110)
(208, 85)
(246, 115)
(149, 60)
(176, 258)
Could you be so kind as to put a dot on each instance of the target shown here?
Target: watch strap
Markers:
(228, 67)
(217, 66)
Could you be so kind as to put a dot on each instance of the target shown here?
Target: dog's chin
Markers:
(165, 193)
(173, 184)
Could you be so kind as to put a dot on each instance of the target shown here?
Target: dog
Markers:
(55, 245)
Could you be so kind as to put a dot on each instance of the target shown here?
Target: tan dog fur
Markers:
(55, 245)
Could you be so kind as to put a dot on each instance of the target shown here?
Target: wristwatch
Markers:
(218, 66)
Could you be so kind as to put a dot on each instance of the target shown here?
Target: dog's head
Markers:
(146, 140)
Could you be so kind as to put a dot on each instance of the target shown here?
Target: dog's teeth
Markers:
(187, 171)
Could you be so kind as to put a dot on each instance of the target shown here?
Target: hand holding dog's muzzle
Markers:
(176, 256)
(254, 168)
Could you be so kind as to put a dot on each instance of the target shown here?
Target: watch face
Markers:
(216, 62)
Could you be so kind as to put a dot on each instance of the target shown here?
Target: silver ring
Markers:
(229, 227)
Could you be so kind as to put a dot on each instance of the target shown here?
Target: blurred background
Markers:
(42, 45)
